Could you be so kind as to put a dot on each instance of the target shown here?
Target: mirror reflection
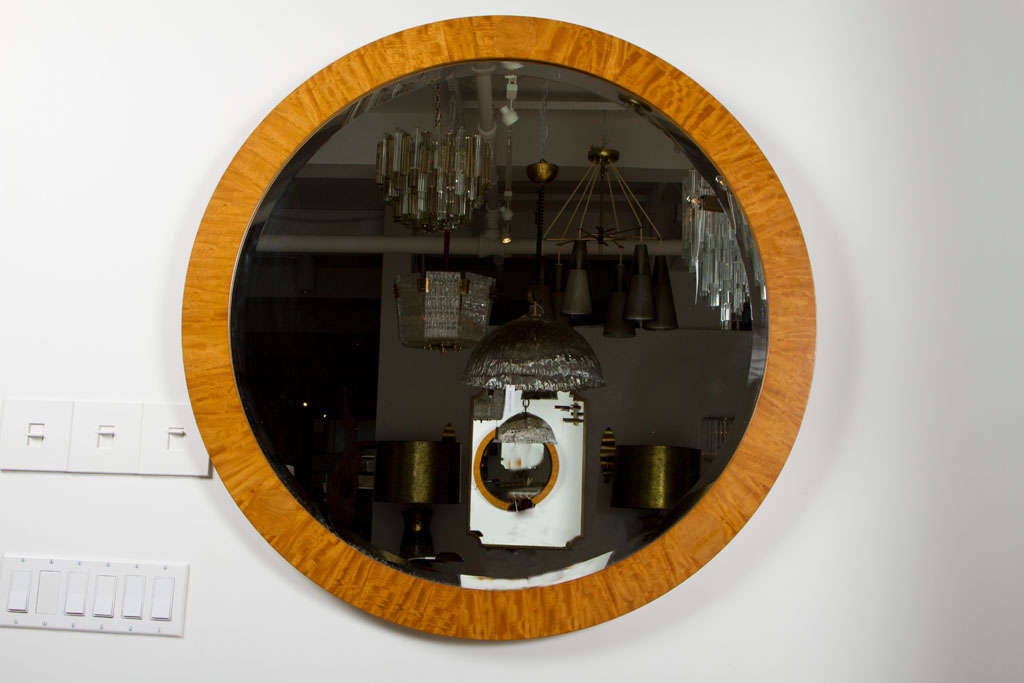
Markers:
(499, 324)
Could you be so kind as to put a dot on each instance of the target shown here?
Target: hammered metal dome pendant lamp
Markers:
(524, 427)
(534, 354)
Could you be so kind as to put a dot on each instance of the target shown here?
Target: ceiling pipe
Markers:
(487, 128)
(426, 244)
(485, 98)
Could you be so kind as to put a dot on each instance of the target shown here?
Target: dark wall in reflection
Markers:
(659, 387)
(324, 378)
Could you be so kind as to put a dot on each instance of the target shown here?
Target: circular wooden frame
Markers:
(441, 608)
(494, 500)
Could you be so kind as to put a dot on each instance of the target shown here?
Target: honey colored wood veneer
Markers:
(440, 608)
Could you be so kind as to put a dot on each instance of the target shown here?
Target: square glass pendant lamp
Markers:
(443, 310)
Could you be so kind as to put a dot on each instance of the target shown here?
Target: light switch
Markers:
(74, 603)
(48, 593)
(103, 602)
(106, 437)
(171, 443)
(176, 439)
(35, 435)
(17, 596)
(163, 598)
(134, 594)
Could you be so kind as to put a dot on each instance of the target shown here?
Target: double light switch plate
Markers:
(126, 438)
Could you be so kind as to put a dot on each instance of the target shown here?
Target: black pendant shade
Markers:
(615, 324)
(577, 289)
(664, 302)
(640, 301)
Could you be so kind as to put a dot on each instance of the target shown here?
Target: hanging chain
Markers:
(437, 106)
(544, 120)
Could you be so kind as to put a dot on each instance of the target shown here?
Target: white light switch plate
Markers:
(105, 437)
(35, 435)
(77, 595)
(114, 438)
(74, 595)
(171, 443)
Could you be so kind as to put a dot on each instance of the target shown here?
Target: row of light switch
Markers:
(93, 595)
(48, 595)
(121, 438)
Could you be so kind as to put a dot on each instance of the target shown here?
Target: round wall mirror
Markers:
(488, 325)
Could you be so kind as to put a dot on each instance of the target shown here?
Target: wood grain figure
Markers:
(440, 608)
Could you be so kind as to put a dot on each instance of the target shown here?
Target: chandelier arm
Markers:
(567, 201)
(638, 204)
(586, 208)
(588, 178)
(626, 197)
(611, 195)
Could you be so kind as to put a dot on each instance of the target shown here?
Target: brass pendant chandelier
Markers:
(649, 300)
(603, 178)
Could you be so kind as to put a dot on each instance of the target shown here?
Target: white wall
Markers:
(889, 550)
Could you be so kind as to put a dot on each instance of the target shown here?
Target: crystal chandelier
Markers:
(434, 181)
(443, 310)
(710, 230)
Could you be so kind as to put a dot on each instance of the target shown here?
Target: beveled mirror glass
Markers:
(498, 386)
(408, 227)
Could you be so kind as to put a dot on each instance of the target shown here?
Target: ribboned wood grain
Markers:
(439, 608)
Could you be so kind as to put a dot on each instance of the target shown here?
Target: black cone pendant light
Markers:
(577, 289)
(640, 301)
(664, 302)
(615, 324)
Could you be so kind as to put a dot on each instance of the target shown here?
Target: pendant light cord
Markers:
(540, 234)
